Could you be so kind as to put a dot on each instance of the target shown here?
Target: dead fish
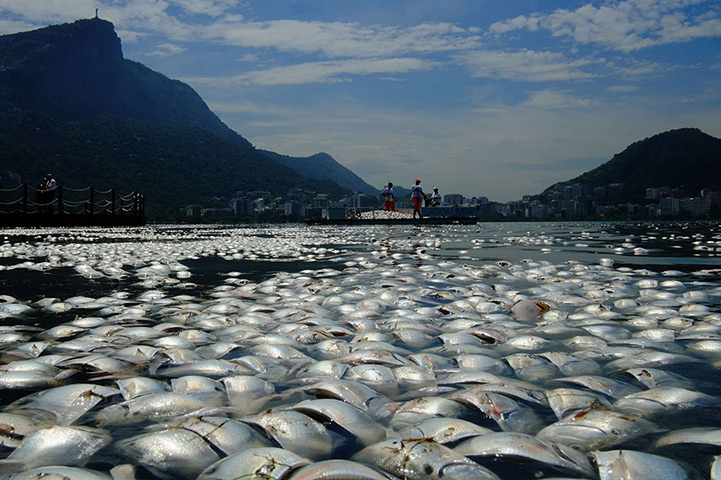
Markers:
(514, 445)
(654, 377)
(357, 422)
(337, 470)
(379, 377)
(698, 435)
(255, 464)
(527, 310)
(14, 427)
(569, 401)
(595, 428)
(224, 434)
(176, 452)
(633, 465)
(664, 400)
(297, 432)
(423, 408)
(56, 445)
(67, 403)
(244, 391)
(444, 430)
(158, 407)
(60, 473)
(421, 459)
(355, 393)
(607, 386)
(138, 386)
(508, 414)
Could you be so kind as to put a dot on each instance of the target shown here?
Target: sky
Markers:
(491, 98)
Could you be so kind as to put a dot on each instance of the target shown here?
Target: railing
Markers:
(25, 200)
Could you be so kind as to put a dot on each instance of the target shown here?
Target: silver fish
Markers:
(504, 411)
(350, 418)
(664, 400)
(53, 472)
(633, 465)
(67, 403)
(569, 401)
(56, 445)
(422, 460)
(176, 452)
(519, 445)
(297, 432)
(444, 430)
(596, 428)
(255, 464)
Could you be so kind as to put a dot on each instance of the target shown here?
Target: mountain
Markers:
(686, 160)
(322, 166)
(70, 104)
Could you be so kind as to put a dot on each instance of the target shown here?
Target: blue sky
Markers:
(480, 97)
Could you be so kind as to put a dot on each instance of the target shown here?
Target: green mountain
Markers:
(71, 105)
(322, 166)
(687, 160)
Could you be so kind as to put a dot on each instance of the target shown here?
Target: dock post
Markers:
(60, 199)
(113, 200)
(25, 198)
(92, 200)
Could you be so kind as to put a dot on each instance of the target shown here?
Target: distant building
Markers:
(669, 206)
(293, 209)
(599, 194)
(321, 201)
(361, 201)
(192, 211)
(614, 192)
(241, 206)
(695, 206)
(453, 199)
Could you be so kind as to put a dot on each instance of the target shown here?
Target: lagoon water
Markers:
(433, 322)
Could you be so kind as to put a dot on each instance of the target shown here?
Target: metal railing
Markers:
(26, 199)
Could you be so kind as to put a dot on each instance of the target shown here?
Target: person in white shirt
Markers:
(417, 194)
(435, 197)
(387, 193)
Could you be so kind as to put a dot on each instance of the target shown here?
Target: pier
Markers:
(28, 206)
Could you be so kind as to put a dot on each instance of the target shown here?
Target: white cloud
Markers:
(623, 25)
(318, 72)
(336, 39)
(556, 100)
(525, 65)
(165, 49)
(206, 7)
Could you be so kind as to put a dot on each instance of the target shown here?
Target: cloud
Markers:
(525, 65)
(623, 25)
(165, 49)
(318, 72)
(206, 7)
(556, 100)
(337, 39)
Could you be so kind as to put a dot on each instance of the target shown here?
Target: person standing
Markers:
(417, 194)
(387, 193)
(50, 186)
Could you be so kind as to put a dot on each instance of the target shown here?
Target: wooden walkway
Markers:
(26, 206)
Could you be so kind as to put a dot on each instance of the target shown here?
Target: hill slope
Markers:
(322, 166)
(70, 104)
(686, 158)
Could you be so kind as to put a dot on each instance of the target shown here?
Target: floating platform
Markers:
(394, 221)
